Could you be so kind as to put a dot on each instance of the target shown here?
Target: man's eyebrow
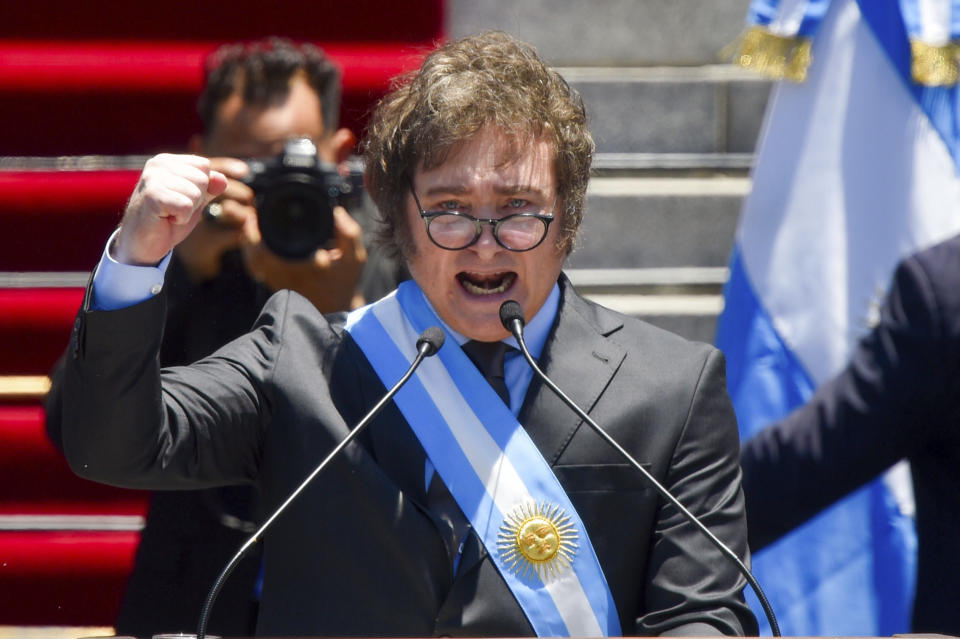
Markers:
(446, 189)
(501, 189)
(510, 189)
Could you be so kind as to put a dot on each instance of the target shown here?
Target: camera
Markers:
(295, 193)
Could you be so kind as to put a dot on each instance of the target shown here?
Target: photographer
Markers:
(257, 98)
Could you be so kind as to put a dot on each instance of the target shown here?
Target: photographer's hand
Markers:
(328, 278)
(201, 252)
(165, 206)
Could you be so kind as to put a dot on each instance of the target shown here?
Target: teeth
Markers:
(479, 290)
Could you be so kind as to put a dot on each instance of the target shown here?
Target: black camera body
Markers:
(295, 194)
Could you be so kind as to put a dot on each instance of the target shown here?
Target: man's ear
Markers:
(343, 142)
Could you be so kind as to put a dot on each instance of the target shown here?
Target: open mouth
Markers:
(486, 283)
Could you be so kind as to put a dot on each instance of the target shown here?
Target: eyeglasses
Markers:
(455, 230)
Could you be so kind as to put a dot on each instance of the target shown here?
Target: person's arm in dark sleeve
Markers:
(127, 423)
(120, 423)
(857, 425)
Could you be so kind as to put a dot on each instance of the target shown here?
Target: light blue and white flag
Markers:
(856, 168)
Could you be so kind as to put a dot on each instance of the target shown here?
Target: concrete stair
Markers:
(657, 246)
(675, 129)
(625, 33)
(713, 108)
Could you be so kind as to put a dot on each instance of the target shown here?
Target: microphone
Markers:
(511, 316)
(429, 342)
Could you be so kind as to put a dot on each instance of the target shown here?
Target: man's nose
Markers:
(486, 245)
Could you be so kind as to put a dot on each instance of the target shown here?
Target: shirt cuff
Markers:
(117, 285)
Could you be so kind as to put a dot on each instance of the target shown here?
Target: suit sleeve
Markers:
(695, 590)
(124, 422)
(857, 425)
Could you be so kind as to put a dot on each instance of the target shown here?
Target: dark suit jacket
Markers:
(190, 535)
(359, 553)
(898, 398)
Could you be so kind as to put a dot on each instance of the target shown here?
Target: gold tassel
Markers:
(770, 54)
(934, 66)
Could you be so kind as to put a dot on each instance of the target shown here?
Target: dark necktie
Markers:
(488, 357)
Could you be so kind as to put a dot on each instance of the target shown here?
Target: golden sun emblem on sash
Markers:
(537, 538)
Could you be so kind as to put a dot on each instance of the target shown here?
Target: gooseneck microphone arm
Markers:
(511, 316)
(428, 344)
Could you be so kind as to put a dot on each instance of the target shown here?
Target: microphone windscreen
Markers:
(432, 337)
(510, 311)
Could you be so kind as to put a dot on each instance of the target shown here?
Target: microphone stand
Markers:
(428, 344)
(512, 318)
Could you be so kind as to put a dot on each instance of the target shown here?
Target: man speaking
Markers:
(476, 503)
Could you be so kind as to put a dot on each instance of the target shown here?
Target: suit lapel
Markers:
(581, 360)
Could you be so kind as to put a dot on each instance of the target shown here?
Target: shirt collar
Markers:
(535, 332)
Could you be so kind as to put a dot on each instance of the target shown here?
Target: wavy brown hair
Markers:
(462, 87)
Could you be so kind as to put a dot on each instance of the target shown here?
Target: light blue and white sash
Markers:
(494, 471)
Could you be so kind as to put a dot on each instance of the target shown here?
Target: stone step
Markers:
(685, 301)
(705, 109)
(688, 164)
(609, 32)
(643, 222)
(684, 280)
(694, 319)
(43, 279)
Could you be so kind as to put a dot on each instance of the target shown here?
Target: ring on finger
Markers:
(213, 211)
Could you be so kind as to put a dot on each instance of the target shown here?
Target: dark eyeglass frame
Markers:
(429, 216)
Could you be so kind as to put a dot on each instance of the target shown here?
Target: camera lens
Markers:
(295, 219)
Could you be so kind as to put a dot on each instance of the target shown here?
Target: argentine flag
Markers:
(856, 168)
